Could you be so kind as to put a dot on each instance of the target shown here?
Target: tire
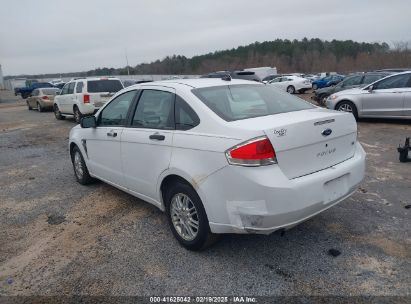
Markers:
(179, 217)
(315, 86)
(80, 168)
(347, 106)
(39, 107)
(24, 96)
(57, 113)
(323, 99)
(28, 106)
(77, 114)
(291, 89)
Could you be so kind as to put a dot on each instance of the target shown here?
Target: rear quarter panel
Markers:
(197, 156)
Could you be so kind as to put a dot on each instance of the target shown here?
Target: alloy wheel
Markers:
(184, 216)
(78, 165)
(345, 107)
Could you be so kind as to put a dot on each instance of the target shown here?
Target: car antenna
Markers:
(226, 77)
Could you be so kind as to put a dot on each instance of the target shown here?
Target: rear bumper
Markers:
(47, 104)
(262, 200)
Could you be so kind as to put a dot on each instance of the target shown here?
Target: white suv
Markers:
(84, 96)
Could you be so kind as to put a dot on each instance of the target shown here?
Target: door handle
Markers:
(157, 137)
(112, 134)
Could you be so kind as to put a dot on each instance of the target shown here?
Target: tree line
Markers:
(305, 56)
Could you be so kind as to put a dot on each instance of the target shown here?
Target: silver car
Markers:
(389, 97)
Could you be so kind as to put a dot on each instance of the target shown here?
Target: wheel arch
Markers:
(345, 100)
(169, 177)
(71, 148)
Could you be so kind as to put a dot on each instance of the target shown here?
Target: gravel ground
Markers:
(58, 237)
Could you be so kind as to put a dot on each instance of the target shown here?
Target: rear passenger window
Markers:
(185, 117)
(79, 87)
(371, 78)
(115, 113)
(71, 88)
(355, 80)
(155, 110)
(398, 81)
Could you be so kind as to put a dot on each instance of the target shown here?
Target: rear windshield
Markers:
(50, 91)
(237, 102)
(106, 85)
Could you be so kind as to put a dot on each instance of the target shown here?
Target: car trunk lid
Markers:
(307, 141)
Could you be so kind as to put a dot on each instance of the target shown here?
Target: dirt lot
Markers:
(58, 237)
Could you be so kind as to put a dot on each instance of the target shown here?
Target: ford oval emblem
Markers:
(326, 132)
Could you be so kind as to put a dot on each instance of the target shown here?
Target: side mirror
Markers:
(370, 88)
(88, 122)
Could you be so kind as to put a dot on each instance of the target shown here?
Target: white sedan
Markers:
(291, 84)
(220, 155)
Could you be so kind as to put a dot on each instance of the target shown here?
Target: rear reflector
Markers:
(86, 98)
(45, 97)
(255, 152)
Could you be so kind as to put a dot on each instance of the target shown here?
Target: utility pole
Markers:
(128, 68)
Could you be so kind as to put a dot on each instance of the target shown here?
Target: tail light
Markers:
(252, 153)
(86, 98)
(45, 97)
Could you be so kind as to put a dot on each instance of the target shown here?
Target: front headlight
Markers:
(333, 97)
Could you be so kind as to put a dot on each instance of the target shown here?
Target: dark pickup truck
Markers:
(25, 92)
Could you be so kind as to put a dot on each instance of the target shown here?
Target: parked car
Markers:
(220, 156)
(291, 84)
(55, 82)
(25, 92)
(326, 81)
(60, 85)
(130, 82)
(42, 99)
(84, 96)
(234, 74)
(352, 81)
(310, 77)
(17, 91)
(270, 77)
(262, 72)
(389, 97)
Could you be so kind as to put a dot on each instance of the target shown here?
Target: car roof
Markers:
(197, 82)
(94, 78)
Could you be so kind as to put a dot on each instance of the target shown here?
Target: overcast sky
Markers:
(47, 36)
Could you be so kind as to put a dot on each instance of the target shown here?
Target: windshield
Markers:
(237, 102)
(50, 91)
(98, 86)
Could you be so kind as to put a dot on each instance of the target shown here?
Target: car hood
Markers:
(325, 90)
